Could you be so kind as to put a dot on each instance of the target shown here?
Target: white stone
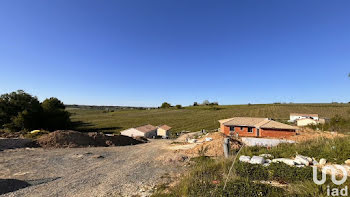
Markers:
(289, 162)
(244, 158)
(347, 162)
(323, 161)
(303, 160)
(257, 160)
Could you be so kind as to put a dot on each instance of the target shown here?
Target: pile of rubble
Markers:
(298, 161)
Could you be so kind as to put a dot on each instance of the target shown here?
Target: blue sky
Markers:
(144, 52)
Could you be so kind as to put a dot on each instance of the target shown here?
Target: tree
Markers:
(165, 105)
(195, 104)
(178, 106)
(22, 111)
(19, 110)
(55, 116)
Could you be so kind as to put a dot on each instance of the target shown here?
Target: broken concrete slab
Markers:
(257, 160)
(244, 158)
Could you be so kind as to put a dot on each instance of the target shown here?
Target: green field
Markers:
(195, 118)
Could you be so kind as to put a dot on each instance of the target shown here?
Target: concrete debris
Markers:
(192, 141)
(244, 158)
(323, 161)
(257, 160)
(337, 170)
(289, 162)
(303, 160)
(347, 162)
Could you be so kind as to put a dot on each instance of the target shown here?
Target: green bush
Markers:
(165, 105)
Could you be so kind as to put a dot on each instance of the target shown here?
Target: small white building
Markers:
(296, 116)
(147, 131)
(163, 131)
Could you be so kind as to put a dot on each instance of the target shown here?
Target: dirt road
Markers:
(96, 171)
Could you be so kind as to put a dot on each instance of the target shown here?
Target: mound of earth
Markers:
(212, 148)
(73, 139)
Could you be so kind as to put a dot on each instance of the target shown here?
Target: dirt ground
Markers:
(308, 134)
(93, 171)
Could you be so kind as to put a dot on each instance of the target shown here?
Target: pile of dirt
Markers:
(73, 139)
(212, 148)
(4, 134)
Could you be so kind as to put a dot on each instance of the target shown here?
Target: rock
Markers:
(347, 162)
(268, 161)
(299, 166)
(303, 160)
(266, 155)
(244, 158)
(98, 156)
(257, 160)
(289, 162)
(208, 139)
(323, 161)
(266, 164)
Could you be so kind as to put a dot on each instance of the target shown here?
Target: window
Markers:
(241, 128)
(232, 128)
(250, 130)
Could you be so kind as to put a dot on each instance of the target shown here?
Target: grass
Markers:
(207, 175)
(195, 118)
(334, 150)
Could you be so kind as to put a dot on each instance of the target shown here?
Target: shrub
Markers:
(55, 116)
(251, 171)
(178, 106)
(165, 105)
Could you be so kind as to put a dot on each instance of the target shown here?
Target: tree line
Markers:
(22, 111)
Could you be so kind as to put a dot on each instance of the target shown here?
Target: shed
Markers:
(163, 131)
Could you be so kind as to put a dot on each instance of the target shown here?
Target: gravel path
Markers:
(96, 171)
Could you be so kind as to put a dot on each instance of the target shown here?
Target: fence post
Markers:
(226, 145)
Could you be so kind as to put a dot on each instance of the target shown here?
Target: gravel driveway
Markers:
(95, 171)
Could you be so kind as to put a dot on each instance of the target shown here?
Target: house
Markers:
(163, 131)
(256, 127)
(293, 117)
(148, 131)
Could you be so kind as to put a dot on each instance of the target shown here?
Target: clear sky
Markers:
(144, 52)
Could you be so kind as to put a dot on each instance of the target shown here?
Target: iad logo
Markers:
(334, 172)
